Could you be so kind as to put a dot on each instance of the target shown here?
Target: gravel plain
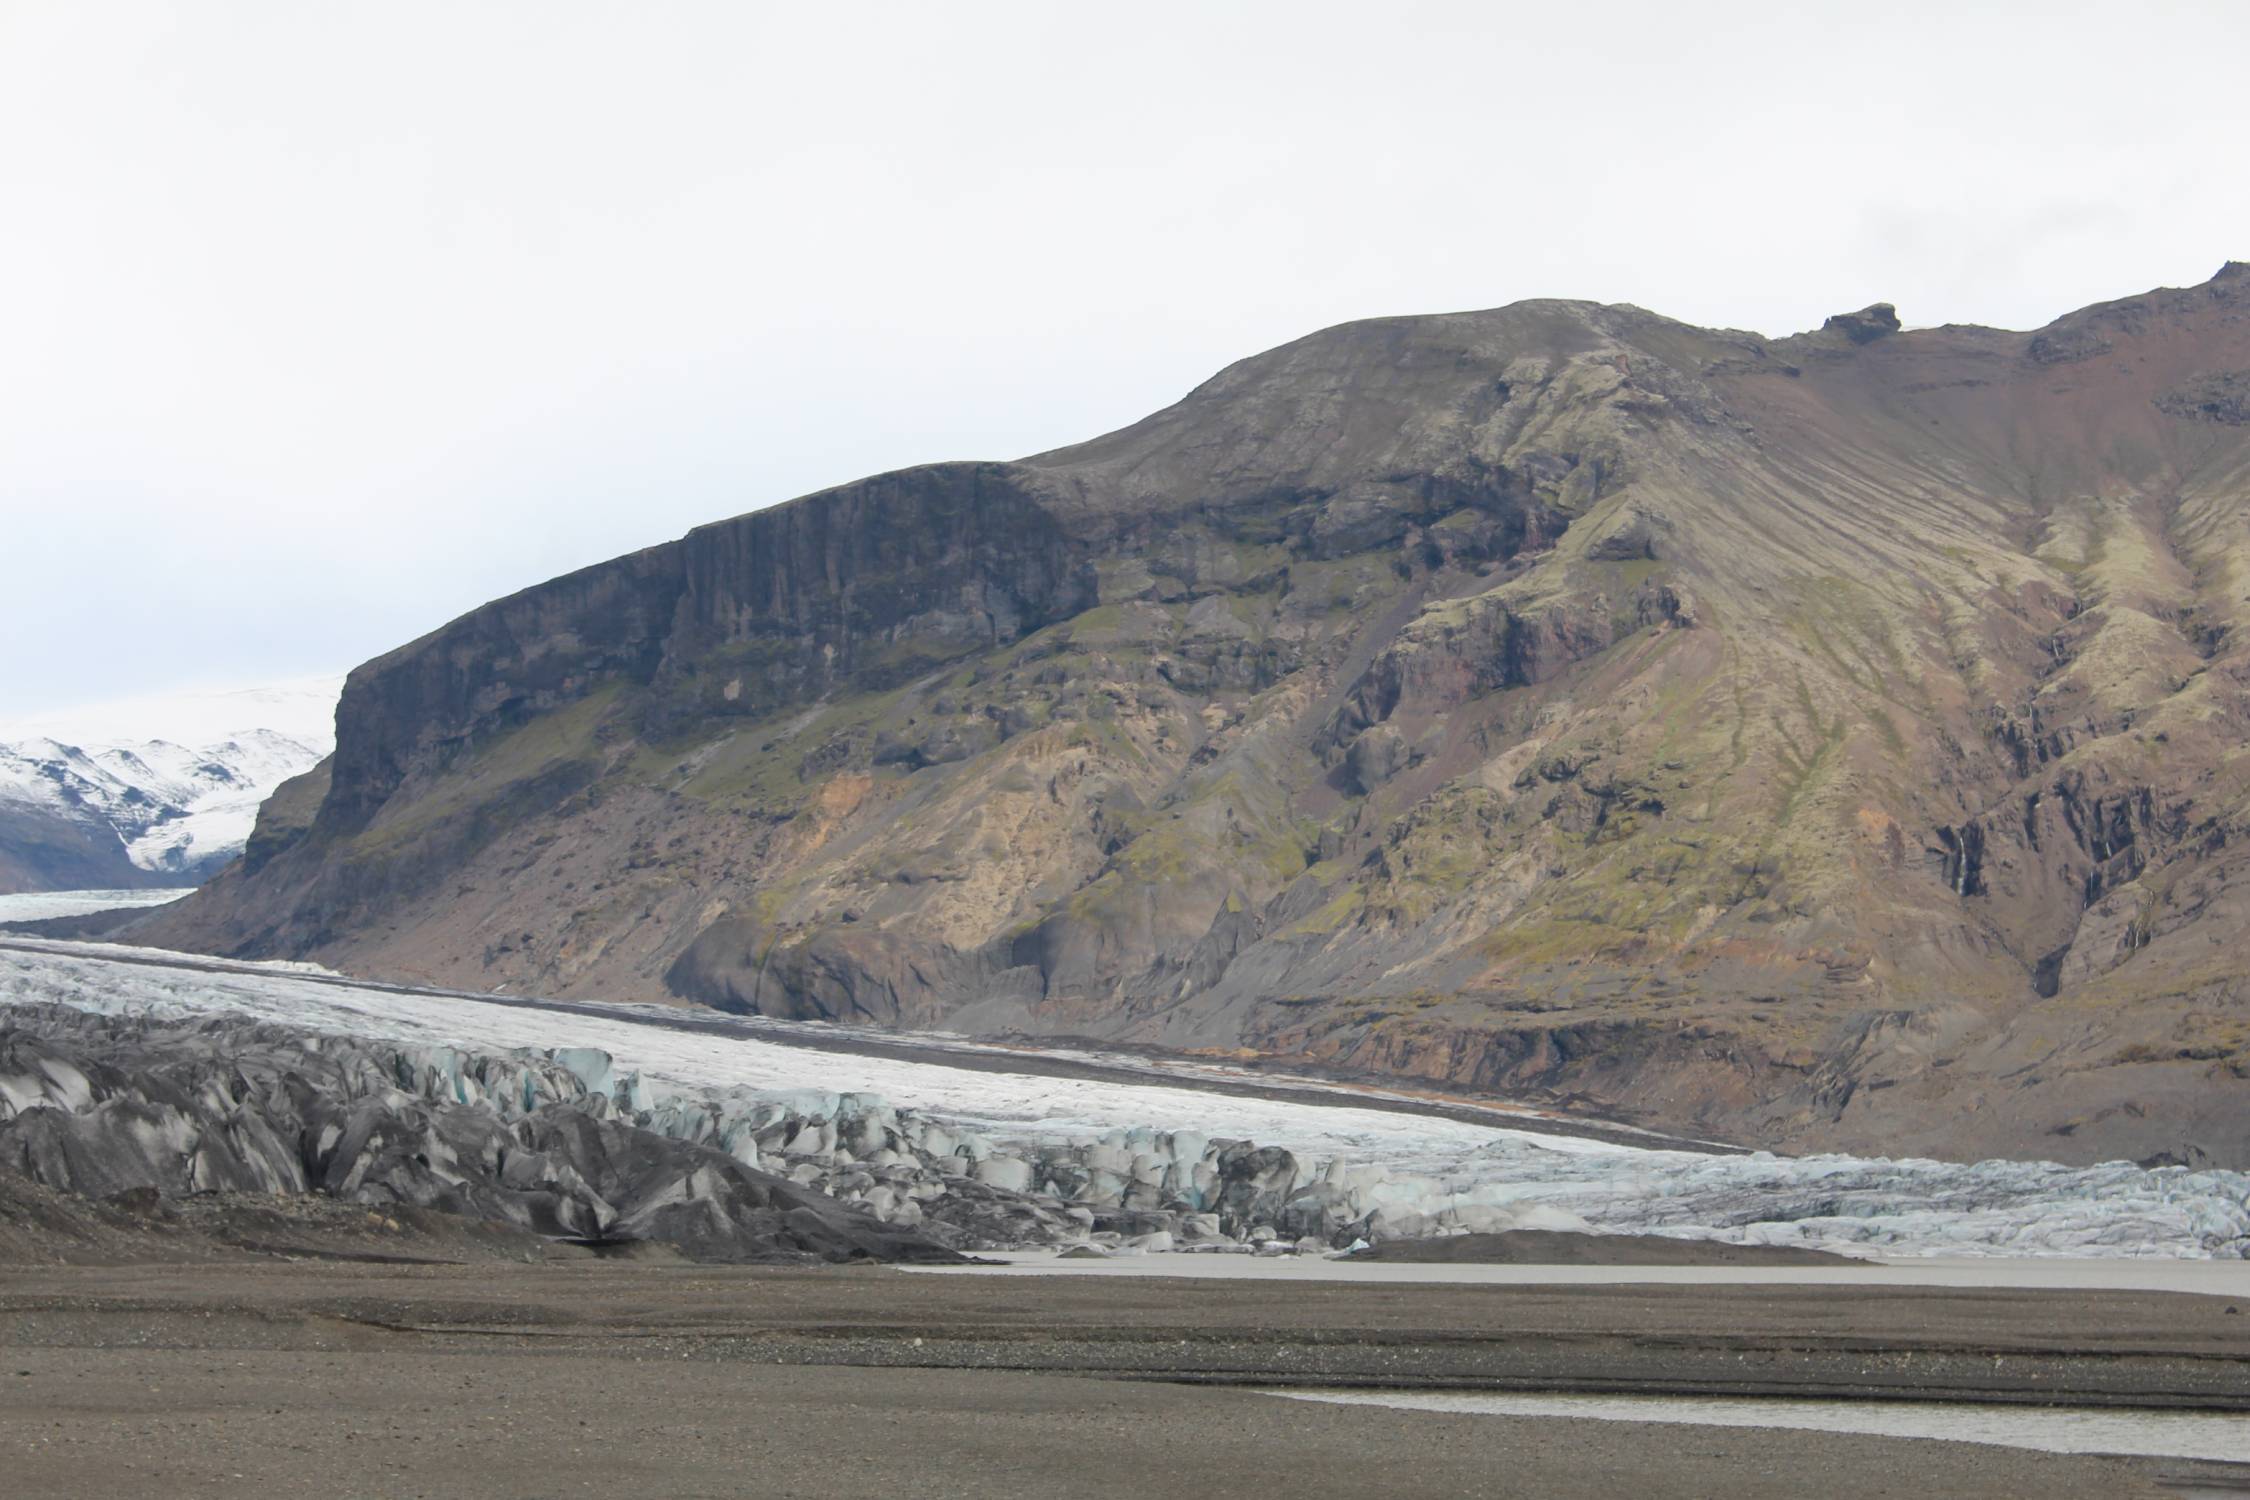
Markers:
(497, 1378)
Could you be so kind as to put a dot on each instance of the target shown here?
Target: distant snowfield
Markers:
(180, 809)
(38, 906)
(176, 779)
(1862, 1205)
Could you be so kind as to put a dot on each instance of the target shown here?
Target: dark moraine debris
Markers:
(128, 1107)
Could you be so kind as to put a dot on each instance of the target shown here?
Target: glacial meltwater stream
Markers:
(2217, 1436)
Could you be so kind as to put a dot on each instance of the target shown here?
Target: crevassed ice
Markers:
(1425, 1174)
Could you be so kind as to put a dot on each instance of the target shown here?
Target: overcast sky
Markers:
(321, 323)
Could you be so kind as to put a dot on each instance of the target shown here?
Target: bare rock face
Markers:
(1874, 321)
(1827, 741)
(2221, 397)
(870, 583)
(1378, 754)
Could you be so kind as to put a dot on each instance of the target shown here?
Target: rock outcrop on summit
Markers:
(1840, 740)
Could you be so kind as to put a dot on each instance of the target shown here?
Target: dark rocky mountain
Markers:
(1837, 740)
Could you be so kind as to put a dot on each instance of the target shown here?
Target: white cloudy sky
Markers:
(320, 323)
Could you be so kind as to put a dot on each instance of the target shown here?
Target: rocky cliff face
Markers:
(1828, 740)
(856, 587)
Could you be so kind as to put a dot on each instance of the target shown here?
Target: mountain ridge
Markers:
(150, 791)
(135, 813)
(1800, 740)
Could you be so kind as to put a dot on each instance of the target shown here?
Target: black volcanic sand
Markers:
(495, 1379)
(231, 1422)
(1549, 1247)
(40, 1226)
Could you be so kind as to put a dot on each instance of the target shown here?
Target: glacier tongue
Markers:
(1043, 1159)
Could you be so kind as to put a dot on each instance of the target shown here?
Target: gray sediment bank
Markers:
(359, 1378)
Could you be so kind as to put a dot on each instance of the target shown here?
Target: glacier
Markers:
(42, 906)
(1205, 1166)
(177, 810)
(173, 783)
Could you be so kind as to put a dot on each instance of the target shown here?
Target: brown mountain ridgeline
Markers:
(1832, 741)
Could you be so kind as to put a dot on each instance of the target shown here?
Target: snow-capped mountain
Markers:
(151, 791)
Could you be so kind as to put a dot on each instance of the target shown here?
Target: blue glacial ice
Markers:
(896, 1136)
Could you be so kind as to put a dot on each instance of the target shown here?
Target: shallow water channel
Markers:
(2220, 1436)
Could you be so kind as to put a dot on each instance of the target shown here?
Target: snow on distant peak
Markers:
(168, 784)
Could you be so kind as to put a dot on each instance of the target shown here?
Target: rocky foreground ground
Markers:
(496, 1379)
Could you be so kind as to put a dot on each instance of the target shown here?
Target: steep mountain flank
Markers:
(1834, 740)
